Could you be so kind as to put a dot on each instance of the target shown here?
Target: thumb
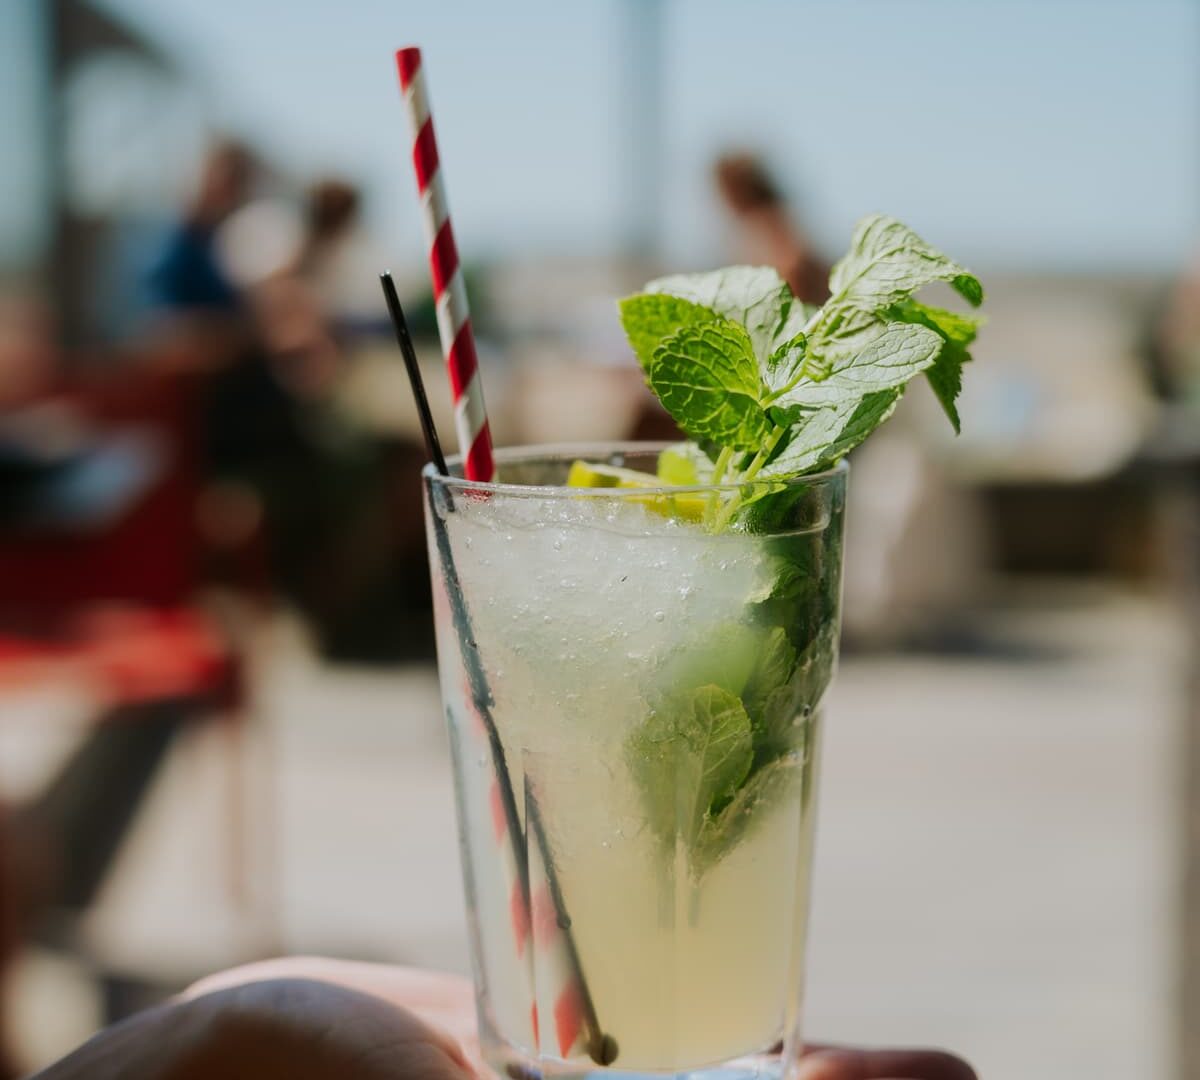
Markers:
(847, 1064)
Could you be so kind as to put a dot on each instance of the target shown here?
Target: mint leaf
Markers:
(755, 297)
(790, 584)
(872, 286)
(650, 320)
(815, 666)
(786, 363)
(770, 696)
(775, 782)
(945, 377)
(864, 417)
(707, 378)
(892, 358)
(958, 331)
(813, 432)
(953, 326)
(824, 437)
(887, 261)
(690, 755)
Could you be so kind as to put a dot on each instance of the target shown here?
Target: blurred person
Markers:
(199, 320)
(229, 305)
(296, 304)
(311, 1019)
(769, 233)
(333, 207)
(334, 516)
(1171, 349)
(188, 278)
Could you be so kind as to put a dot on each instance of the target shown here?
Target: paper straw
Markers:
(540, 921)
(449, 290)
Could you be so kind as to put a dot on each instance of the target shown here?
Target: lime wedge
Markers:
(688, 506)
(590, 475)
(675, 469)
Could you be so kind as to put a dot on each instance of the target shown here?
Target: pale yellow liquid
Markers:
(683, 969)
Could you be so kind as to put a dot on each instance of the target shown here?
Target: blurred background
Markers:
(219, 721)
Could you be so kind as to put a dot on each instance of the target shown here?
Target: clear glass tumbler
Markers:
(633, 699)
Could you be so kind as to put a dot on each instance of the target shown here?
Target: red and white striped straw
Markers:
(449, 290)
(536, 926)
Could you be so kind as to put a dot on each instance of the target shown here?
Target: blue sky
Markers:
(1026, 133)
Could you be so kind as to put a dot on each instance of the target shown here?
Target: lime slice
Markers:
(688, 506)
(675, 469)
(589, 475)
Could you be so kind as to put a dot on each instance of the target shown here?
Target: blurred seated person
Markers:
(309, 1019)
(188, 288)
(332, 215)
(297, 302)
(768, 232)
(334, 497)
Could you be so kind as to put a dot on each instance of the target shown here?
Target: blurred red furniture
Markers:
(108, 597)
(148, 551)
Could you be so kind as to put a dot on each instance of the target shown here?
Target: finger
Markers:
(826, 1063)
(443, 1000)
(298, 1028)
(403, 985)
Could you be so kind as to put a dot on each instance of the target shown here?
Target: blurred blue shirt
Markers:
(188, 274)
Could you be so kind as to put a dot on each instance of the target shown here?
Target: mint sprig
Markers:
(769, 389)
(700, 756)
(772, 388)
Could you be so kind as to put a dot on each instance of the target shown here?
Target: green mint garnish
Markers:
(707, 372)
(752, 296)
(769, 389)
(721, 832)
(690, 757)
(706, 758)
(770, 696)
(957, 332)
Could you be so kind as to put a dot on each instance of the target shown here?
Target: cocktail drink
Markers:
(634, 645)
(656, 688)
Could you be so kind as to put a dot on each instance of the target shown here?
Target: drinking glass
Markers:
(632, 688)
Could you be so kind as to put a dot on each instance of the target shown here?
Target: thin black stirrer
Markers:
(602, 1047)
(404, 340)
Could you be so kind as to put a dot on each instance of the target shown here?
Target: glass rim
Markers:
(598, 450)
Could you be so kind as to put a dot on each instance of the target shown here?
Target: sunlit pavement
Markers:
(994, 860)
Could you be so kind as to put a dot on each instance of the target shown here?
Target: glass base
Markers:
(754, 1067)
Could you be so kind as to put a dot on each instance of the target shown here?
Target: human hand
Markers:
(846, 1063)
(287, 1020)
(313, 1019)
(446, 1002)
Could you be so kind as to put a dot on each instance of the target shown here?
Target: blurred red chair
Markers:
(100, 586)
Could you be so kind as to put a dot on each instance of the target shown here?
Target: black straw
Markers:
(601, 1046)
(404, 339)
